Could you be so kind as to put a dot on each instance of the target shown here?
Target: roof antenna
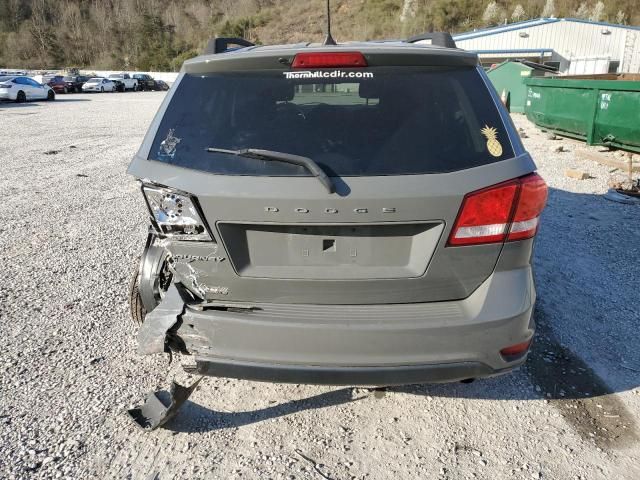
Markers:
(328, 40)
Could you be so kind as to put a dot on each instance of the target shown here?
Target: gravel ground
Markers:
(72, 224)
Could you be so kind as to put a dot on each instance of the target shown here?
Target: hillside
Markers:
(160, 34)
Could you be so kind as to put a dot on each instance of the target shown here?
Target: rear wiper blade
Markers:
(260, 154)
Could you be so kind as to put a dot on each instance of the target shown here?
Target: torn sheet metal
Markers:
(158, 410)
(153, 332)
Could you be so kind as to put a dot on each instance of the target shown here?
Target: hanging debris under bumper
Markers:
(158, 409)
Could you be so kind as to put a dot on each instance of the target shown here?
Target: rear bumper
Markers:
(379, 376)
(366, 344)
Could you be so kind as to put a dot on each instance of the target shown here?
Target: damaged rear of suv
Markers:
(357, 214)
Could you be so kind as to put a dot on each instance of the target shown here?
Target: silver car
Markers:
(359, 214)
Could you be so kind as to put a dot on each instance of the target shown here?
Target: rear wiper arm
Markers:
(260, 154)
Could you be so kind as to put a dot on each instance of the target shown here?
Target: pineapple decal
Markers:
(493, 145)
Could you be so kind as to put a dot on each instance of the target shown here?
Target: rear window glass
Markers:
(364, 122)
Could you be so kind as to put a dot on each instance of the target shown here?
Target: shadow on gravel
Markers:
(7, 105)
(580, 395)
(40, 103)
(66, 100)
(196, 418)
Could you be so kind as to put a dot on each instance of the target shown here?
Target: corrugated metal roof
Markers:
(483, 32)
(516, 50)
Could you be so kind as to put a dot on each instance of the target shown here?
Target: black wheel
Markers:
(51, 96)
(151, 279)
(136, 308)
(21, 97)
(101, 89)
(65, 90)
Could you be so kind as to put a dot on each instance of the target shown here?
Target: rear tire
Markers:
(136, 308)
(21, 97)
(51, 96)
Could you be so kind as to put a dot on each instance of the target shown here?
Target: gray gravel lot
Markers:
(72, 223)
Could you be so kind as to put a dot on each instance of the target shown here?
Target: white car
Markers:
(21, 88)
(99, 84)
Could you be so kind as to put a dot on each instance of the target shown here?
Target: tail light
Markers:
(328, 60)
(175, 213)
(508, 211)
(531, 202)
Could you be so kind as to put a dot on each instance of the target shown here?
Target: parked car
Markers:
(366, 216)
(74, 82)
(58, 84)
(145, 81)
(119, 85)
(43, 78)
(22, 88)
(162, 85)
(125, 80)
(99, 84)
(9, 73)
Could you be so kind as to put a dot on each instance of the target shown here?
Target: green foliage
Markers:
(178, 60)
(467, 13)
(154, 40)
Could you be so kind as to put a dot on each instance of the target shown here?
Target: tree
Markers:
(549, 9)
(597, 13)
(582, 11)
(408, 10)
(518, 13)
(493, 14)
(41, 29)
(154, 39)
(446, 15)
(621, 17)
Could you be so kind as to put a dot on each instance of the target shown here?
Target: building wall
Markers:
(569, 40)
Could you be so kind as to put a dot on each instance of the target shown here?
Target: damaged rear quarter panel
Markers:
(196, 266)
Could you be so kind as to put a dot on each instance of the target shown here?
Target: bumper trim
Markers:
(350, 376)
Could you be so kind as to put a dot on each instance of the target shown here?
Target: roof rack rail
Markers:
(440, 39)
(221, 44)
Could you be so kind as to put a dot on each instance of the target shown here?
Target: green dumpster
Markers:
(509, 76)
(600, 112)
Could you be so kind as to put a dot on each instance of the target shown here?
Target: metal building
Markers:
(573, 46)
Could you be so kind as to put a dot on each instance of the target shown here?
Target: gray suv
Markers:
(357, 214)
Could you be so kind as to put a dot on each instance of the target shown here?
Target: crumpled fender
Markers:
(152, 336)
